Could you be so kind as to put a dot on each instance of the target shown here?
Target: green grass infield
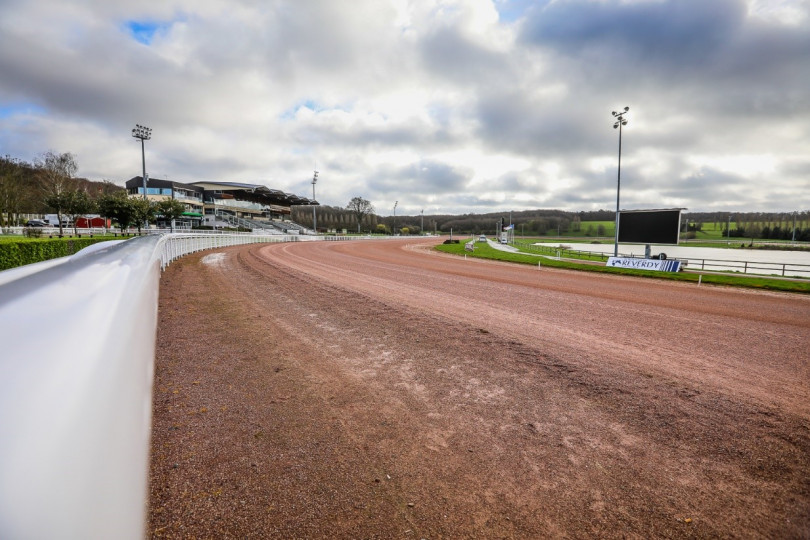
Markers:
(485, 251)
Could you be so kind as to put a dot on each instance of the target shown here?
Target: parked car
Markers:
(36, 223)
(482, 238)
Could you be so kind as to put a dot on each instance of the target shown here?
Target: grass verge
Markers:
(484, 251)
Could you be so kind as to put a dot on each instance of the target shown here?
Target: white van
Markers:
(53, 220)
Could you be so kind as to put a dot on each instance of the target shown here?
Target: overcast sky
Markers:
(450, 106)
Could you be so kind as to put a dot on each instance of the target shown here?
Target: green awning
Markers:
(192, 214)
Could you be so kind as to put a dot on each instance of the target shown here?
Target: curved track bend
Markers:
(381, 389)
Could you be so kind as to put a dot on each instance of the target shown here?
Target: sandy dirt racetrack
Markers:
(379, 389)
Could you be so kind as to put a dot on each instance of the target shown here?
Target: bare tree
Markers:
(360, 208)
(58, 186)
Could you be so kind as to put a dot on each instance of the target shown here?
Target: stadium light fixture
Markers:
(144, 134)
(620, 121)
(314, 218)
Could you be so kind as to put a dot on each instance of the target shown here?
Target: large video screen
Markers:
(650, 226)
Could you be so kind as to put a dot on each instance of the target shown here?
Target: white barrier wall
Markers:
(77, 346)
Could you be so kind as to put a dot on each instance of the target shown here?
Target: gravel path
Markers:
(378, 389)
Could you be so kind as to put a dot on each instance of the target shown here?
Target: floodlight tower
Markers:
(144, 134)
(620, 121)
(422, 222)
(395, 215)
(314, 218)
(794, 227)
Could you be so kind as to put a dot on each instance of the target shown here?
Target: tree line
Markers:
(530, 222)
(357, 216)
(39, 187)
(759, 225)
(50, 185)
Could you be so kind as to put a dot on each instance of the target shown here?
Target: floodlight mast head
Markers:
(620, 120)
(142, 132)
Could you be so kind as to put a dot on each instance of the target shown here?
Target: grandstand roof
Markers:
(250, 192)
(256, 193)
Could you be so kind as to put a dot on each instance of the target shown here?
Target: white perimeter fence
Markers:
(77, 346)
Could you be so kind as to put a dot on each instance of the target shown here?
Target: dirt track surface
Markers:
(378, 389)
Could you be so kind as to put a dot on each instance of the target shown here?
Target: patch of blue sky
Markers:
(7, 110)
(144, 31)
(289, 114)
(510, 11)
(298, 151)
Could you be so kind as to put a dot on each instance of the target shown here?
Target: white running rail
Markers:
(77, 347)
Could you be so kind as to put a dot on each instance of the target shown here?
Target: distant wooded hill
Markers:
(23, 190)
(775, 225)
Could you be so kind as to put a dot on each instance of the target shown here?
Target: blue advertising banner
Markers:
(666, 265)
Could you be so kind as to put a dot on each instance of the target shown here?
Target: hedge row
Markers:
(13, 254)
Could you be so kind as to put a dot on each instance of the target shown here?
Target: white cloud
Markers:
(456, 105)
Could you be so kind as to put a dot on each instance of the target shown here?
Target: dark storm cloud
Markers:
(799, 167)
(714, 185)
(448, 54)
(489, 113)
(118, 80)
(427, 176)
(707, 54)
(579, 200)
(526, 124)
(470, 202)
(360, 134)
(426, 184)
(517, 182)
(682, 32)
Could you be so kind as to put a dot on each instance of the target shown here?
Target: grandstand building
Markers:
(225, 204)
